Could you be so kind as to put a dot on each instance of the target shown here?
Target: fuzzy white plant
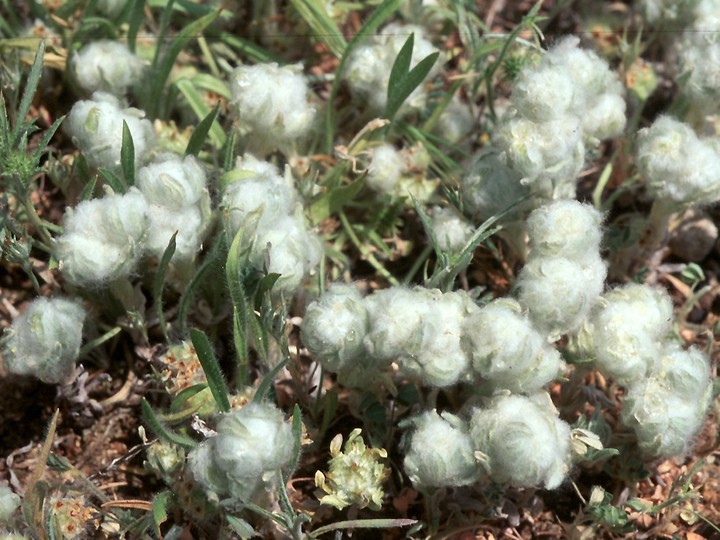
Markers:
(698, 56)
(400, 173)
(176, 191)
(334, 327)
(678, 167)
(559, 293)
(451, 229)
(660, 12)
(258, 197)
(9, 503)
(625, 330)
(521, 441)
(103, 239)
(107, 66)
(44, 341)
(440, 360)
(507, 351)
(431, 465)
(565, 228)
(252, 445)
(369, 65)
(96, 127)
(667, 409)
(272, 102)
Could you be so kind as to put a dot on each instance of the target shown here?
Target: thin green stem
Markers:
(366, 253)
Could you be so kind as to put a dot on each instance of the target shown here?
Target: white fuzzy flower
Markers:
(605, 117)
(451, 229)
(96, 127)
(251, 446)
(400, 173)
(369, 65)
(544, 92)
(385, 169)
(9, 503)
(334, 327)
(626, 329)
(44, 341)
(106, 65)
(271, 102)
(103, 239)
(560, 292)
(507, 351)
(565, 228)
(521, 443)
(452, 463)
(678, 166)
(440, 359)
(178, 199)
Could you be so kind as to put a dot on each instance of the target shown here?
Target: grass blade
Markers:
(233, 276)
(322, 25)
(162, 431)
(189, 291)
(211, 367)
(127, 156)
(264, 386)
(134, 21)
(202, 111)
(159, 283)
(31, 86)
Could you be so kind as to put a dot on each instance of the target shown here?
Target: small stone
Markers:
(693, 236)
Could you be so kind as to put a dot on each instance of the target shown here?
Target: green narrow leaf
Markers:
(31, 86)
(160, 510)
(229, 154)
(206, 126)
(90, 345)
(401, 65)
(89, 189)
(315, 15)
(330, 403)
(127, 156)
(297, 426)
(134, 21)
(240, 306)
(42, 146)
(164, 64)
(241, 527)
(266, 383)
(162, 431)
(382, 523)
(159, 283)
(113, 180)
(379, 16)
(189, 292)
(407, 84)
(211, 367)
(250, 50)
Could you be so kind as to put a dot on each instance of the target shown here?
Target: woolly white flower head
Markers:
(400, 173)
(678, 166)
(565, 228)
(626, 329)
(521, 443)
(456, 122)
(251, 445)
(544, 92)
(507, 351)
(176, 191)
(334, 327)
(667, 409)
(451, 464)
(45, 340)
(103, 238)
(667, 11)
(106, 65)
(440, 359)
(287, 248)
(560, 292)
(9, 503)
(272, 102)
(369, 65)
(451, 229)
(96, 127)
(258, 198)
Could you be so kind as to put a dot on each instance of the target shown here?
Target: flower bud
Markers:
(451, 464)
(45, 340)
(451, 229)
(521, 443)
(106, 66)
(334, 327)
(103, 238)
(565, 228)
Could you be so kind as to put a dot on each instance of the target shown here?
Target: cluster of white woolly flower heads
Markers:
(44, 341)
(244, 459)
(678, 166)
(265, 208)
(400, 173)
(669, 389)
(369, 65)
(106, 66)
(271, 102)
(564, 275)
(566, 100)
